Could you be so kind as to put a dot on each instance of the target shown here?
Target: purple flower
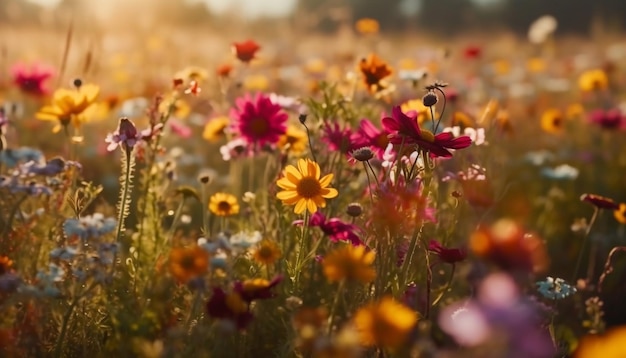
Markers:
(125, 135)
(334, 228)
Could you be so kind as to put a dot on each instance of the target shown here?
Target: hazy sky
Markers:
(249, 7)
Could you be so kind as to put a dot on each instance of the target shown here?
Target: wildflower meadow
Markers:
(267, 192)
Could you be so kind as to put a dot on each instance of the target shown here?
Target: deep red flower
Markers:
(229, 307)
(600, 202)
(258, 121)
(256, 289)
(608, 119)
(31, 79)
(245, 51)
(404, 129)
(334, 228)
(368, 135)
(472, 52)
(448, 255)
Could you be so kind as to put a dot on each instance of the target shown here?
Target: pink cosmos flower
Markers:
(404, 129)
(31, 79)
(369, 135)
(338, 139)
(179, 128)
(608, 119)
(258, 120)
(334, 228)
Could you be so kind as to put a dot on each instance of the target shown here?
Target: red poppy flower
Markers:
(448, 255)
(404, 129)
(472, 52)
(245, 51)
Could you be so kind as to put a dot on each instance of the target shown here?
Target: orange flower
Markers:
(620, 213)
(552, 121)
(607, 345)
(367, 26)
(374, 71)
(5, 264)
(386, 323)
(593, 80)
(349, 262)
(187, 263)
(267, 252)
(507, 245)
(245, 51)
(224, 70)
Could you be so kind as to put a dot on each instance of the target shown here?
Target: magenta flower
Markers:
(448, 255)
(404, 129)
(338, 139)
(258, 120)
(334, 228)
(31, 79)
(368, 135)
(608, 119)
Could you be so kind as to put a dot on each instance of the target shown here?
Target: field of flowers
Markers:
(360, 195)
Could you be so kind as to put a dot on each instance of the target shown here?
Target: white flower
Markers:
(541, 29)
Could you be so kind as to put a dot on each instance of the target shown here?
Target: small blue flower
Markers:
(555, 288)
(89, 227)
(64, 253)
(12, 157)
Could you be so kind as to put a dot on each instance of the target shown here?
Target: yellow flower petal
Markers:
(329, 193)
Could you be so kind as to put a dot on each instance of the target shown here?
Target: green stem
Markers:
(300, 253)
(58, 349)
(121, 217)
(596, 211)
(333, 308)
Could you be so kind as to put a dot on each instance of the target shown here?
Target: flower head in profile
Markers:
(32, 79)
(404, 129)
(187, 263)
(126, 136)
(368, 135)
(445, 254)
(334, 228)
(223, 204)
(258, 120)
(351, 263)
(68, 106)
(599, 201)
(386, 323)
(245, 51)
(304, 187)
(374, 71)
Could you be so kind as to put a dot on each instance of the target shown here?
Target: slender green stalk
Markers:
(58, 348)
(596, 211)
(333, 308)
(128, 163)
(300, 253)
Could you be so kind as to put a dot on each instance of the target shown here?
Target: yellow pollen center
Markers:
(259, 126)
(309, 187)
(428, 136)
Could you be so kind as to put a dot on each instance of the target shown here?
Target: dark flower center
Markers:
(259, 126)
(309, 187)
(223, 206)
(188, 262)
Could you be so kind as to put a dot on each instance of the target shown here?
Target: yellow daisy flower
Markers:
(295, 138)
(222, 204)
(349, 262)
(417, 106)
(215, 129)
(386, 323)
(552, 120)
(367, 26)
(68, 105)
(593, 80)
(607, 345)
(304, 188)
(267, 252)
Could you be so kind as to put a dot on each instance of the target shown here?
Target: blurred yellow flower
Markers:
(608, 345)
(575, 110)
(303, 187)
(367, 26)
(315, 66)
(267, 252)
(352, 263)
(462, 119)
(417, 107)
(620, 214)
(374, 71)
(593, 80)
(68, 106)
(502, 67)
(215, 128)
(192, 73)
(386, 323)
(294, 140)
(256, 83)
(552, 120)
(536, 65)
(222, 204)
(179, 108)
